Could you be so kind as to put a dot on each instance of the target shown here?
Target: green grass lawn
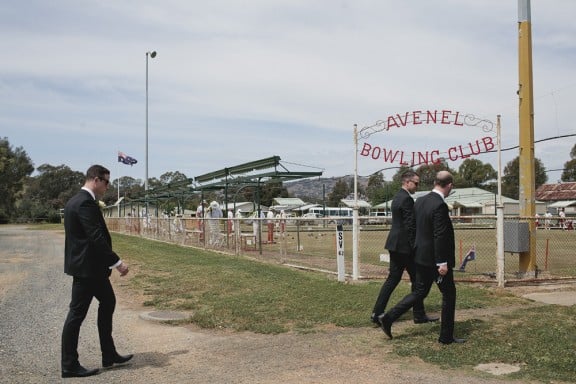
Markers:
(246, 295)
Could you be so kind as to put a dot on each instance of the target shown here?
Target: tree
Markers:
(569, 173)
(511, 177)
(474, 173)
(15, 167)
(172, 178)
(268, 192)
(49, 191)
(339, 192)
(427, 173)
(376, 188)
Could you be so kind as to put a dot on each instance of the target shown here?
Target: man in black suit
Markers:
(89, 259)
(400, 244)
(434, 258)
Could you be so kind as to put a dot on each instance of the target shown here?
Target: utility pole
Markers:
(527, 261)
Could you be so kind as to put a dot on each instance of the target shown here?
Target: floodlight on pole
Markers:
(152, 55)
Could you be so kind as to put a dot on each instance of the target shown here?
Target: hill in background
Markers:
(316, 190)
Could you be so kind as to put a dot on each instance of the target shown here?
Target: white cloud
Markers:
(236, 81)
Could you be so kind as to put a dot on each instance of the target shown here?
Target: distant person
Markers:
(200, 212)
(89, 259)
(400, 244)
(562, 220)
(281, 219)
(434, 257)
(213, 216)
(270, 225)
(547, 220)
(230, 217)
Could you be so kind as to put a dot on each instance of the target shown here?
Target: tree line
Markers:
(24, 197)
(471, 173)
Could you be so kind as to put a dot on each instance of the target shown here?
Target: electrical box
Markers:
(516, 237)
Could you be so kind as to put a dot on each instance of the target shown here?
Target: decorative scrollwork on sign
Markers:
(485, 124)
(379, 126)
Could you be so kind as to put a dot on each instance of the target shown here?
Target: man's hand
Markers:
(123, 269)
(443, 269)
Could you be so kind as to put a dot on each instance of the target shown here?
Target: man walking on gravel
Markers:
(89, 259)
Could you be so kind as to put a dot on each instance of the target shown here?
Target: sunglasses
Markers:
(104, 180)
(415, 182)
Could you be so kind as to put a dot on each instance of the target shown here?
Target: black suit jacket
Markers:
(88, 246)
(401, 236)
(434, 243)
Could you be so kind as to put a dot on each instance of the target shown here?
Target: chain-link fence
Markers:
(311, 244)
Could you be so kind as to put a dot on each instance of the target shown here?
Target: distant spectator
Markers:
(562, 220)
(547, 220)
(270, 223)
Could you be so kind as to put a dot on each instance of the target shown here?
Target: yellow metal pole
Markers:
(527, 262)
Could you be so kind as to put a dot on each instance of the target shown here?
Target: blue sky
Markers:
(236, 81)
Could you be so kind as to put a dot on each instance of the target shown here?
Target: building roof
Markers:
(556, 192)
(289, 201)
(361, 203)
(562, 204)
(474, 197)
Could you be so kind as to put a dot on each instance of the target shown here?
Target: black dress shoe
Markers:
(79, 371)
(118, 359)
(426, 319)
(374, 319)
(453, 340)
(386, 325)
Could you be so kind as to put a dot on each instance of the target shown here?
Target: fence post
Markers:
(340, 252)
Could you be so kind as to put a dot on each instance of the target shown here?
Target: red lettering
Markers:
(435, 153)
(416, 117)
(431, 117)
(445, 117)
(472, 148)
(450, 154)
(392, 122)
(423, 159)
(463, 156)
(366, 149)
(374, 151)
(456, 119)
(402, 162)
(387, 156)
(488, 144)
(403, 122)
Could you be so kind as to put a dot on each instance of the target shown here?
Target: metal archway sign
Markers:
(437, 117)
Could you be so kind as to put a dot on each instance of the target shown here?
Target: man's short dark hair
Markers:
(96, 171)
(408, 175)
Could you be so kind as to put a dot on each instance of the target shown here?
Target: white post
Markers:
(118, 174)
(340, 253)
(499, 215)
(355, 210)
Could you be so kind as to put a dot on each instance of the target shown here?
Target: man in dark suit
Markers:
(434, 258)
(400, 244)
(89, 259)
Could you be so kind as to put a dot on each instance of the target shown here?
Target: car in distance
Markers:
(311, 218)
(375, 218)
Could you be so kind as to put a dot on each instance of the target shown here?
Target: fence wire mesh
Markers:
(311, 244)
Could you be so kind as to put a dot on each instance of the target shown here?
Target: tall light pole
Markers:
(152, 55)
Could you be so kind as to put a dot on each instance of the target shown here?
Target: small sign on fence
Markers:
(340, 252)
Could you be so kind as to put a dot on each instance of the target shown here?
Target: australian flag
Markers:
(124, 158)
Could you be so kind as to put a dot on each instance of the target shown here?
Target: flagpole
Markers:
(118, 173)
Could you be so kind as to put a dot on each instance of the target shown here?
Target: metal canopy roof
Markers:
(270, 162)
(246, 174)
(253, 173)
